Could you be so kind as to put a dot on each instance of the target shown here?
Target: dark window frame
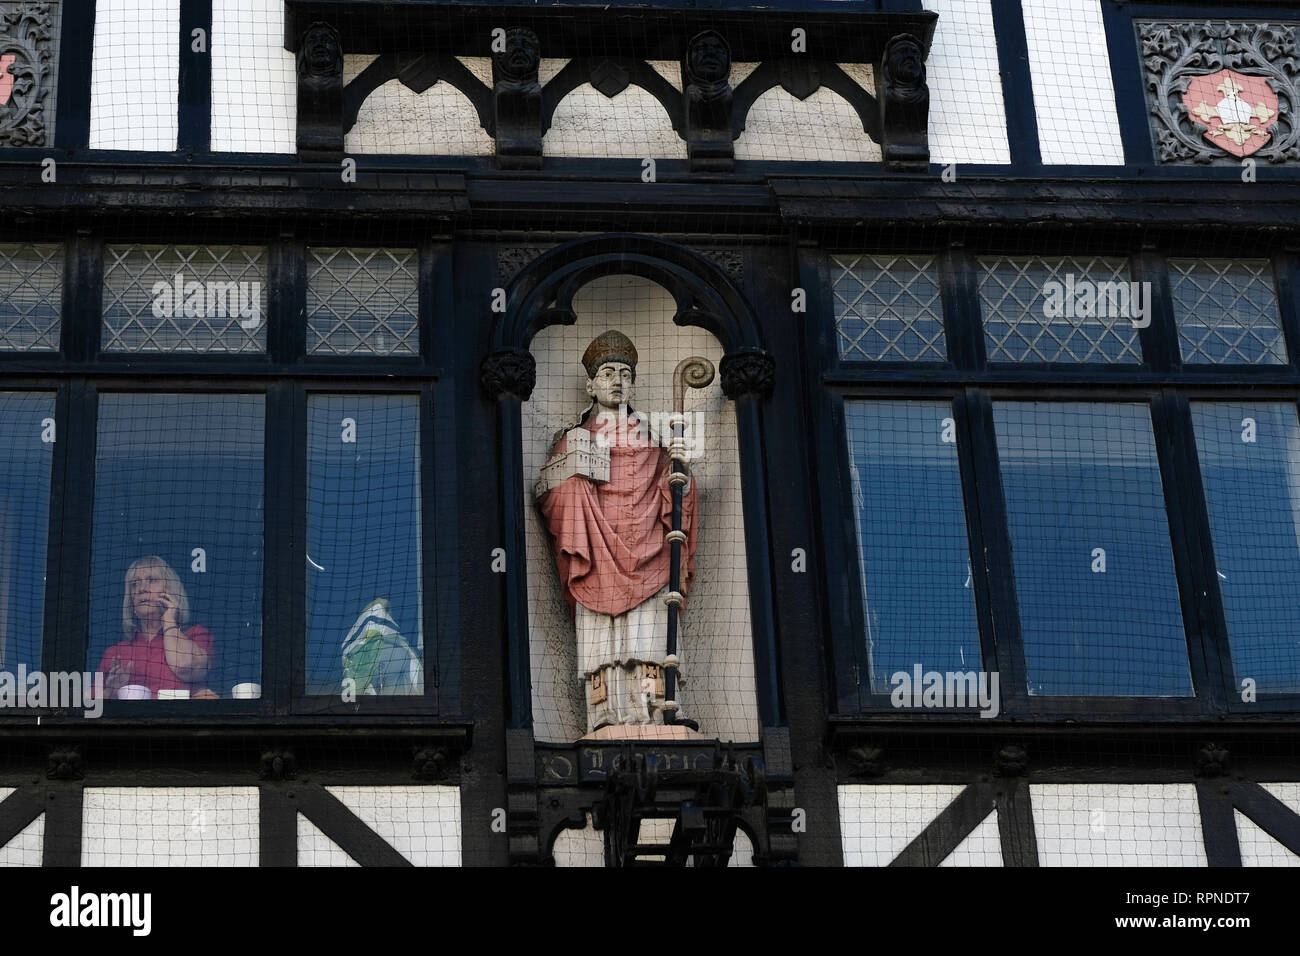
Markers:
(285, 374)
(973, 383)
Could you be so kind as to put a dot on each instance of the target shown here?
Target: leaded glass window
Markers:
(887, 309)
(1226, 311)
(1069, 309)
(362, 302)
(31, 296)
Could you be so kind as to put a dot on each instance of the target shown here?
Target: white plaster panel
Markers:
(316, 849)
(1258, 848)
(968, 120)
(716, 644)
(1074, 97)
(134, 74)
(877, 821)
(25, 849)
(170, 826)
(981, 847)
(441, 121)
(1287, 792)
(631, 125)
(254, 79)
(1112, 824)
(421, 823)
(823, 127)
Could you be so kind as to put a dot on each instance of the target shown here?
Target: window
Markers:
(913, 555)
(1091, 496)
(178, 544)
(362, 302)
(27, 438)
(364, 590)
(1249, 454)
(888, 309)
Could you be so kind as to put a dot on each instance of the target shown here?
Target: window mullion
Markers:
(283, 611)
(1160, 336)
(1189, 529)
(991, 551)
(67, 595)
(961, 309)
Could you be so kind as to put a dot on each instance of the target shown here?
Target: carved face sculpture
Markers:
(522, 54)
(612, 385)
(708, 60)
(321, 54)
(906, 68)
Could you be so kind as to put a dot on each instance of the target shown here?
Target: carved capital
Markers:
(66, 763)
(1212, 761)
(866, 761)
(904, 102)
(748, 372)
(430, 764)
(278, 764)
(509, 372)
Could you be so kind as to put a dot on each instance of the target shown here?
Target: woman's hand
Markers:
(170, 610)
(118, 677)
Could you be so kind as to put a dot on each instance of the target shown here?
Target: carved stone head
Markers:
(522, 55)
(708, 59)
(904, 63)
(321, 53)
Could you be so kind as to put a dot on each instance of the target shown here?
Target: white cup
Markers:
(180, 693)
(133, 692)
(247, 691)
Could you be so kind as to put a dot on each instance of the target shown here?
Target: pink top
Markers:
(609, 538)
(149, 659)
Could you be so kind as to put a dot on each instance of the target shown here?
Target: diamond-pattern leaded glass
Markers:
(31, 294)
(184, 299)
(1063, 309)
(362, 302)
(1226, 311)
(887, 309)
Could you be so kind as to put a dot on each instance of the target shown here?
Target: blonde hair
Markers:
(174, 587)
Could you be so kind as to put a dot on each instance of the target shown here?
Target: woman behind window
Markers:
(159, 652)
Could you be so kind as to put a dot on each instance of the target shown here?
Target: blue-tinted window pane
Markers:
(1094, 570)
(26, 448)
(1250, 466)
(178, 543)
(912, 550)
(363, 545)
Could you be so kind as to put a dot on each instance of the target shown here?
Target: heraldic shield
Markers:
(1238, 110)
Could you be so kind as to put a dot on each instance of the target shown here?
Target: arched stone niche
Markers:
(717, 647)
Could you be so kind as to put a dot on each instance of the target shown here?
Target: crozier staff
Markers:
(159, 651)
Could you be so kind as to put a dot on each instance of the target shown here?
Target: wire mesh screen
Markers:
(27, 437)
(1061, 310)
(1094, 572)
(887, 308)
(135, 75)
(184, 299)
(362, 302)
(31, 296)
(364, 588)
(176, 592)
(1226, 310)
(1249, 456)
(911, 524)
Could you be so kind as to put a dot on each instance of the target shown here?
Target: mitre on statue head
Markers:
(611, 346)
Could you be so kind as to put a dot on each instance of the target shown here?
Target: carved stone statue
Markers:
(606, 501)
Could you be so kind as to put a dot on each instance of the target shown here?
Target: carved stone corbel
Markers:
(706, 70)
(320, 95)
(904, 102)
(517, 101)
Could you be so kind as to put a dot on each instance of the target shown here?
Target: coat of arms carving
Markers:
(1219, 92)
(26, 72)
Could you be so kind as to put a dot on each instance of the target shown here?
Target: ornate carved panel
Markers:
(1219, 91)
(28, 49)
